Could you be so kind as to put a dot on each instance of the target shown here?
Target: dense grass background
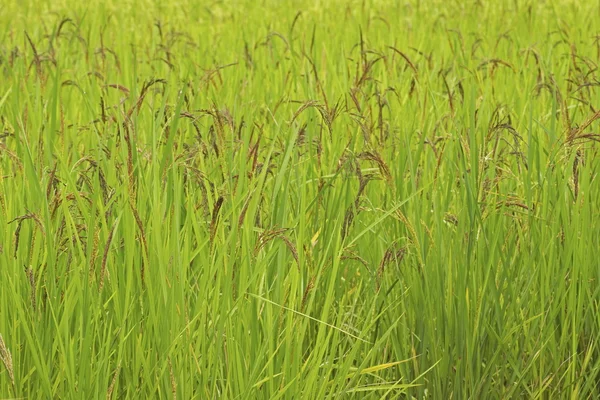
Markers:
(294, 199)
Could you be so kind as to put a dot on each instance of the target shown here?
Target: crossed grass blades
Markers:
(299, 200)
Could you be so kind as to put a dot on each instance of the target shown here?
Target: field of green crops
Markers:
(293, 199)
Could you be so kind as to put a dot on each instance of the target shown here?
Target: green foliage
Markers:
(294, 199)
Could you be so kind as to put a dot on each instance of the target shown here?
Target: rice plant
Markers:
(299, 199)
